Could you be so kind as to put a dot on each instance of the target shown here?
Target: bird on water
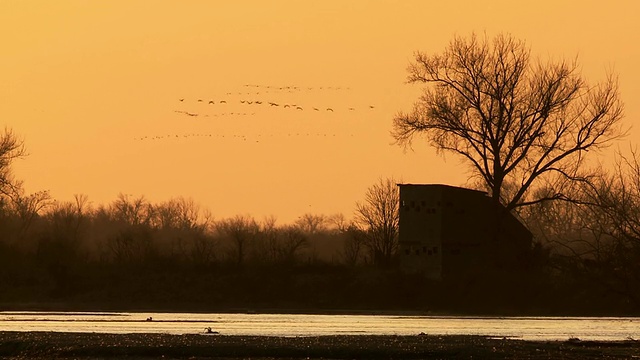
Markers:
(208, 330)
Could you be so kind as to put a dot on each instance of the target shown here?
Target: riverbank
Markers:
(40, 345)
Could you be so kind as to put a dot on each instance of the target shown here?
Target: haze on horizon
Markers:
(94, 90)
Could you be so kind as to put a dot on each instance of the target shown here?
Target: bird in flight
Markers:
(211, 102)
(330, 109)
(180, 99)
(223, 102)
(199, 100)
(186, 113)
(371, 107)
(298, 108)
(316, 109)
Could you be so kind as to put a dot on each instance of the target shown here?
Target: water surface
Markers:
(527, 328)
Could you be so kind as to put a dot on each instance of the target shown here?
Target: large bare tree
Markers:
(519, 123)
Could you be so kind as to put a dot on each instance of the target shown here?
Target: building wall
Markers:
(420, 224)
(448, 231)
(466, 223)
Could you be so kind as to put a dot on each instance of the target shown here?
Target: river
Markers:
(526, 328)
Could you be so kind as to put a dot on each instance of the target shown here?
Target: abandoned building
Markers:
(447, 231)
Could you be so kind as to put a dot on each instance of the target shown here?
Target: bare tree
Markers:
(612, 218)
(597, 237)
(338, 222)
(203, 250)
(312, 224)
(11, 148)
(132, 212)
(517, 122)
(354, 240)
(378, 217)
(240, 231)
(291, 240)
(182, 214)
(67, 220)
(29, 207)
(130, 246)
(267, 247)
(180, 230)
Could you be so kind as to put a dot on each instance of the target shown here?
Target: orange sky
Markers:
(83, 81)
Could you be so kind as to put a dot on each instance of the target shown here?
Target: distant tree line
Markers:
(74, 251)
(133, 230)
(132, 253)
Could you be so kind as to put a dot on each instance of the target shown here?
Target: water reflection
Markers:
(527, 328)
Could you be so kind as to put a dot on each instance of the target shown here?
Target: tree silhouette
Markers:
(518, 123)
(612, 221)
(377, 216)
(240, 231)
(11, 148)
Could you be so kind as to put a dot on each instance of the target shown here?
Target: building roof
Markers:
(443, 186)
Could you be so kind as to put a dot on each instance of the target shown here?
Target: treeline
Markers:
(133, 230)
(53, 246)
(132, 254)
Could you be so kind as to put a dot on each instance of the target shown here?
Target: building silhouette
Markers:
(450, 232)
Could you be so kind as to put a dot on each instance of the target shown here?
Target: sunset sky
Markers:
(93, 88)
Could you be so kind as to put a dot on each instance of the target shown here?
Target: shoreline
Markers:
(52, 307)
(201, 346)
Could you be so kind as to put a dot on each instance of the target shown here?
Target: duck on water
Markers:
(208, 330)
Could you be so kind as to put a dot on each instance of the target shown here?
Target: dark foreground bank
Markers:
(34, 345)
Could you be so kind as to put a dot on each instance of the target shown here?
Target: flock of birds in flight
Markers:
(265, 90)
(241, 137)
(252, 104)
